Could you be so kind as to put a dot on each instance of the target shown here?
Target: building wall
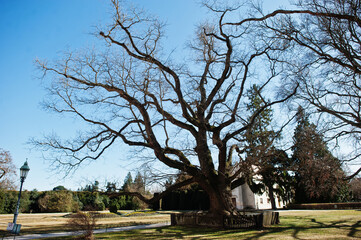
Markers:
(264, 202)
(237, 197)
(248, 197)
(244, 198)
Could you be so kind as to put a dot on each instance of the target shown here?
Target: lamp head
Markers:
(24, 170)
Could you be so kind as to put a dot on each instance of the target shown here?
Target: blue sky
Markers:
(43, 29)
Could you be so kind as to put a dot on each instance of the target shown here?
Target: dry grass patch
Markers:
(57, 222)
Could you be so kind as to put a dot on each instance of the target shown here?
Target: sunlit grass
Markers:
(334, 224)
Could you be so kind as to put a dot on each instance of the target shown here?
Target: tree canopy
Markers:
(190, 117)
(324, 57)
(191, 114)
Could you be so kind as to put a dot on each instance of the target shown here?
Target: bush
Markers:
(92, 201)
(63, 201)
(9, 198)
(2, 201)
(84, 222)
(58, 201)
(114, 206)
(8, 201)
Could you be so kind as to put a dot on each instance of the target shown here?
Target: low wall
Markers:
(244, 220)
(351, 205)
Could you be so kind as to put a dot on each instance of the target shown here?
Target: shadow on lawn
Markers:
(353, 229)
(292, 227)
(316, 225)
(289, 229)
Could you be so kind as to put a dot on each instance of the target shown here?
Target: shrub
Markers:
(114, 206)
(85, 222)
(58, 201)
(92, 201)
(11, 198)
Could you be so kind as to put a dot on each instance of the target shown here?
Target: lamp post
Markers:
(23, 173)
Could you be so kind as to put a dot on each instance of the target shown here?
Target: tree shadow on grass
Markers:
(353, 231)
(290, 229)
(294, 229)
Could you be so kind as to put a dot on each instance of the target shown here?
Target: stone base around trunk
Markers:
(249, 219)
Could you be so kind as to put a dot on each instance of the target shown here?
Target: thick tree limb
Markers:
(238, 182)
(352, 175)
(3, 172)
(285, 12)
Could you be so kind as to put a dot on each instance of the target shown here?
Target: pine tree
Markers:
(128, 181)
(111, 187)
(318, 173)
(259, 138)
(272, 164)
(139, 184)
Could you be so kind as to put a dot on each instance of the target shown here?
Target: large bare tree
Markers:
(325, 38)
(7, 170)
(190, 116)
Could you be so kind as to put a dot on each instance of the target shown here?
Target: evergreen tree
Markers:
(128, 181)
(318, 173)
(259, 138)
(139, 184)
(111, 187)
(272, 164)
(94, 187)
(274, 169)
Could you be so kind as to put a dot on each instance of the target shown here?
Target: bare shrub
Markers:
(85, 222)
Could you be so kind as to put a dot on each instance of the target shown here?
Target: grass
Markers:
(138, 213)
(320, 224)
(294, 225)
(316, 224)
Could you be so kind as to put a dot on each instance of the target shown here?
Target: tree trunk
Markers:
(220, 199)
(272, 198)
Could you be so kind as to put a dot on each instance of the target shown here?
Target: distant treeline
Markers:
(63, 201)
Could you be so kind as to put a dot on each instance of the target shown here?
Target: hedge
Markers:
(350, 205)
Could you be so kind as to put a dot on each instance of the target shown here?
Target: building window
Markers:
(268, 200)
(261, 200)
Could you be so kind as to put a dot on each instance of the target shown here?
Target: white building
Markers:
(244, 198)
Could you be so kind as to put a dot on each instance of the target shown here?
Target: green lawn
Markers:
(317, 224)
(333, 224)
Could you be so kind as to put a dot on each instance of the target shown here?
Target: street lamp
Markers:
(23, 173)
